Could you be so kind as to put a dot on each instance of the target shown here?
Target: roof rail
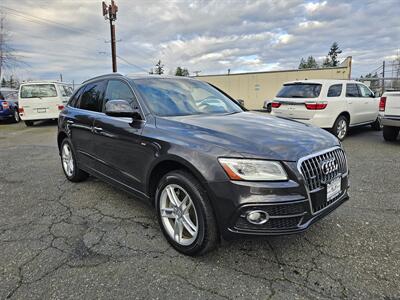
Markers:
(101, 76)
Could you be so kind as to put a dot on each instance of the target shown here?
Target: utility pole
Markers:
(110, 13)
(383, 77)
(61, 78)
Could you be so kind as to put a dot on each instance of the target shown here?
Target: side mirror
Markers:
(121, 108)
(240, 101)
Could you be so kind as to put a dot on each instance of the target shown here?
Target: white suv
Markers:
(42, 100)
(332, 104)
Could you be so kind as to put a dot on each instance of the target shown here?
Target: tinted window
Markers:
(335, 90)
(118, 90)
(300, 90)
(75, 97)
(352, 90)
(92, 96)
(364, 91)
(178, 97)
(38, 91)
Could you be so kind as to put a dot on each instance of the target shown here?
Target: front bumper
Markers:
(290, 207)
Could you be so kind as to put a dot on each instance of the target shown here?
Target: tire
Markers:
(16, 116)
(338, 130)
(390, 133)
(196, 209)
(377, 125)
(29, 123)
(69, 163)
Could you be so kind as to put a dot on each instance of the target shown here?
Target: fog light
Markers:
(257, 217)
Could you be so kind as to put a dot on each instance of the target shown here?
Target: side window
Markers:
(92, 96)
(118, 90)
(364, 91)
(75, 97)
(352, 90)
(335, 90)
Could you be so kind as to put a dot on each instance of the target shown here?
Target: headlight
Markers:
(253, 170)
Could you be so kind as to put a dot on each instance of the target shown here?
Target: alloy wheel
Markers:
(341, 129)
(178, 215)
(67, 160)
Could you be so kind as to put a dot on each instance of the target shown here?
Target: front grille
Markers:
(312, 171)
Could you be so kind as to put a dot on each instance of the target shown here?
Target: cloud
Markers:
(72, 38)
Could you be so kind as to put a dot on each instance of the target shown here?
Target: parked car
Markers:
(331, 104)
(389, 107)
(209, 167)
(267, 105)
(42, 100)
(9, 105)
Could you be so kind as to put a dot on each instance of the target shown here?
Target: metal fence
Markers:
(384, 78)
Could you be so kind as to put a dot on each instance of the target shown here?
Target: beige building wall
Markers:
(256, 87)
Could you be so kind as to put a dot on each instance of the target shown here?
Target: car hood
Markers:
(252, 134)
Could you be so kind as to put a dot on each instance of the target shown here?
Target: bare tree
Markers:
(8, 58)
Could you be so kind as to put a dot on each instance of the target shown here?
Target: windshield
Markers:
(38, 91)
(179, 97)
(300, 90)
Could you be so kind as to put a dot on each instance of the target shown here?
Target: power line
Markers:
(44, 21)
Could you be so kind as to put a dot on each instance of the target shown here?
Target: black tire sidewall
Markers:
(187, 183)
(16, 116)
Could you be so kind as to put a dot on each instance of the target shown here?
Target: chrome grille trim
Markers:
(309, 164)
(309, 167)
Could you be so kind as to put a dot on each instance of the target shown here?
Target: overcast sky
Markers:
(71, 37)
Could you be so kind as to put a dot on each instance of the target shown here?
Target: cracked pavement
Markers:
(89, 240)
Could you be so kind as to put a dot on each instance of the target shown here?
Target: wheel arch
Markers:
(60, 137)
(166, 165)
(346, 114)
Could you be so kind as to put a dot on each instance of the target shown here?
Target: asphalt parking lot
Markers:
(89, 240)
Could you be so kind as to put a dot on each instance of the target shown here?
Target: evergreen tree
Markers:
(311, 63)
(302, 64)
(178, 71)
(181, 72)
(159, 69)
(333, 54)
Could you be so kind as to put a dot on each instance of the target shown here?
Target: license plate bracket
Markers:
(333, 188)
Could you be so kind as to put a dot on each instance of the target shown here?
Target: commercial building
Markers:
(255, 87)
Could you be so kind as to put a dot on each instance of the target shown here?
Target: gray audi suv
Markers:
(210, 168)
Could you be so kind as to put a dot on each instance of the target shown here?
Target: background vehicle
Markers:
(389, 107)
(330, 104)
(209, 167)
(267, 105)
(42, 100)
(9, 105)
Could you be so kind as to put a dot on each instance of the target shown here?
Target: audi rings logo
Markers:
(329, 166)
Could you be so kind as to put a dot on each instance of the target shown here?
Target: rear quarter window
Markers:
(300, 90)
(38, 91)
